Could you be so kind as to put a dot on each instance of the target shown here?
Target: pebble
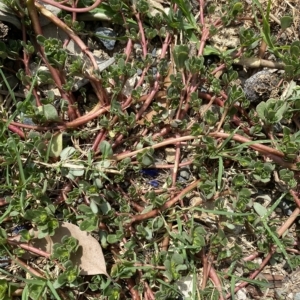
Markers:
(184, 174)
(287, 207)
(109, 44)
(241, 295)
(26, 120)
(297, 296)
(185, 285)
(138, 49)
(170, 155)
(259, 86)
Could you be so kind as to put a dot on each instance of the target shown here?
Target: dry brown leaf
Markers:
(89, 256)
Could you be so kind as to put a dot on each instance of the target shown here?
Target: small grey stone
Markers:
(139, 72)
(25, 120)
(184, 173)
(154, 52)
(108, 43)
(28, 121)
(259, 86)
(297, 296)
(137, 46)
(277, 128)
(287, 207)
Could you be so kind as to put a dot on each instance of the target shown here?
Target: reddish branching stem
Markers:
(16, 130)
(153, 213)
(73, 9)
(29, 248)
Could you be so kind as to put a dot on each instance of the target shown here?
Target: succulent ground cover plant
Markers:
(149, 149)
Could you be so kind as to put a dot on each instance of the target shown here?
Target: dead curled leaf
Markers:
(89, 256)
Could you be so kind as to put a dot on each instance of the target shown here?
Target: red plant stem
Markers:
(128, 49)
(205, 268)
(167, 205)
(94, 81)
(255, 273)
(186, 163)
(165, 242)
(251, 256)
(295, 197)
(288, 222)
(295, 251)
(16, 130)
(201, 6)
(68, 187)
(176, 164)
(134, 293)
(29, 248)
(3, 202)
(72, 112)
(28, 268)
(98, 140)
(259, 147)
(152, 94)
(68, 31)
(215, 279)
(164, 131)
(280, 232)
(208, 97)
(21, 125)
(72, 9)
(144, 41)
(149, 292)
(97, 111)
(148, 101)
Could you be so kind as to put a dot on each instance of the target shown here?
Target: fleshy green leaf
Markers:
(286, 22)
(261, 210)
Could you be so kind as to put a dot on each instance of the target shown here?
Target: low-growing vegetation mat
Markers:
(149, 149)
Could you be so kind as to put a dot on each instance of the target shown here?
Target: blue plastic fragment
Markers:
(154, 183)
(150, 172)
(18, 228)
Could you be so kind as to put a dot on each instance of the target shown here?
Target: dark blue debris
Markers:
(150, 172)
(154, 183)
(18, 228)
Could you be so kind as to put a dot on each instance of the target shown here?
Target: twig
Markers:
(72, 9)
(168, 204)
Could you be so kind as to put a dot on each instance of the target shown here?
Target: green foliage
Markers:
(63, 251)
(93, 175)
(272, 111)
(174, 265)
(44, 219)
(68, 277)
